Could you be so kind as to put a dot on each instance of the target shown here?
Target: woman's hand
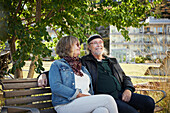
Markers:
(126, 96)
(82, 95)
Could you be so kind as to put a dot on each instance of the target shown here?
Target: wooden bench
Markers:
(23, 95)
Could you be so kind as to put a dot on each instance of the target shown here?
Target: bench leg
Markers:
(4, 110)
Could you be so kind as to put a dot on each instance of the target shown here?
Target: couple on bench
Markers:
(92, 84)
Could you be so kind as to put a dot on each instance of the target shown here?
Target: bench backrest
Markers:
(26, 93)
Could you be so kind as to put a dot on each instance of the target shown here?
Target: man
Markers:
(109, 78)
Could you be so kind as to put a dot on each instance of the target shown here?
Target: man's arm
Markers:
(43, 79)
(125, 80)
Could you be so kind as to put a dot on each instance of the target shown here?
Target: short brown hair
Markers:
(65, 46)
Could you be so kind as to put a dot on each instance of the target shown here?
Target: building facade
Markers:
(152, 40)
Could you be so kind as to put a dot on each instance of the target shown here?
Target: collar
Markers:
(91, 57)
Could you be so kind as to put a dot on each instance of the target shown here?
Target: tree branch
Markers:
(54, 30)
(22, 7)
(38, 10)
(19, 6)
(31, 17)
(48, 15)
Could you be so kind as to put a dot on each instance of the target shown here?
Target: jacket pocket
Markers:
(66, 75)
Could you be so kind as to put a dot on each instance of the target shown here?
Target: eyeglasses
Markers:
(95, 42)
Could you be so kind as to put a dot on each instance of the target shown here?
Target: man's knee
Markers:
(149, 102)
(123, 107)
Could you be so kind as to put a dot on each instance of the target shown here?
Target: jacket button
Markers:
(71, 72)
(73, 83)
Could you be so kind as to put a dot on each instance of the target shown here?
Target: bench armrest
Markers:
(164, 93)
(32, 110)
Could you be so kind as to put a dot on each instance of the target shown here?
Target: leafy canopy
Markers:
(26, 22)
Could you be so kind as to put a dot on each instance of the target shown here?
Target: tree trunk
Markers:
(32, 67)
(38, 17)
(18, 72)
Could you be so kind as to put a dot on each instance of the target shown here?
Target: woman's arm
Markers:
(57, 85)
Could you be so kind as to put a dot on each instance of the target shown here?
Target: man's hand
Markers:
(126, 96)
(42, 81)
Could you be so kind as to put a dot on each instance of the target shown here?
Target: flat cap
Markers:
(92, 37)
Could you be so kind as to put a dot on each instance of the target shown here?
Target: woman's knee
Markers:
(110, 101)
(110, 98)
(101, 110)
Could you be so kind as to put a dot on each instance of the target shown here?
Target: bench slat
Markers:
(19, 85)
(47, 105)
(39, 105)
(19, 80)
(26, 92)
(41, 111)
(48, 111)
(25, 100)
(12, 110)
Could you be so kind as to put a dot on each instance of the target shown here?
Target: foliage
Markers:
(54, 57)
(2, 46)
(139, 59)
(132, 60)
(160, 9)
(82, 50)
(124, 58)
(148, 57)
(24, 22)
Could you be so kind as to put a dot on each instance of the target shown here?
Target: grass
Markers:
(130, 69)
(135, 69)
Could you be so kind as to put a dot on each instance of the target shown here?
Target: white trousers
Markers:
(90, 104)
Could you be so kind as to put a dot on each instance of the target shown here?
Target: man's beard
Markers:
(98, 52)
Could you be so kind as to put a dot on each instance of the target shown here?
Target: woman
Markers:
(70, 83)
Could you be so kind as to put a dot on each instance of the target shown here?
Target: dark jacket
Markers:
(91, 64)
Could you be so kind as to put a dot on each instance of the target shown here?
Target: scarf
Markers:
(75, 64)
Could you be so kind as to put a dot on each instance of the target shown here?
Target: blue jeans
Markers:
(138, 103)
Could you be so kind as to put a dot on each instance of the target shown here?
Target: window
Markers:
(168, 29)
(154, 30)
(148, 29)
(160, 30)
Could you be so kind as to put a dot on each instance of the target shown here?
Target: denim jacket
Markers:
(62, 82)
